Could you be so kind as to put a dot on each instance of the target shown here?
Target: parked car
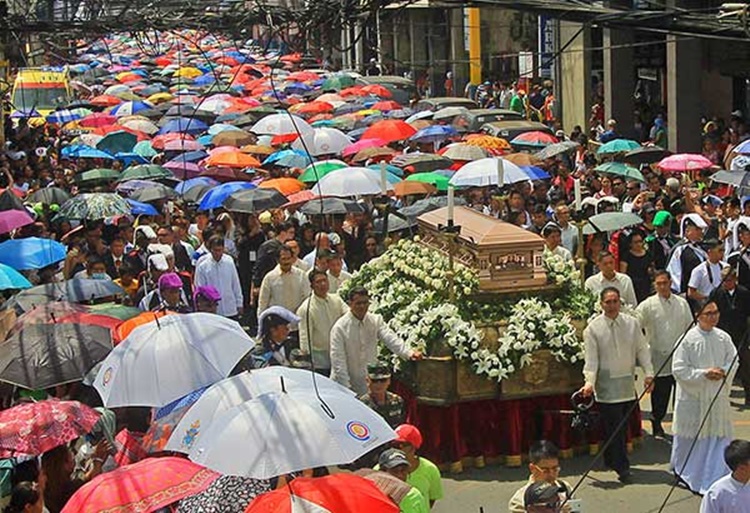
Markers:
(472, 120)
(402, 89)
(435, 104)
(510, 129)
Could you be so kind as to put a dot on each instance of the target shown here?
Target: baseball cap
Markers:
(377, 371)
(392, 458)
(170, 281)
(542, 492)
(407, 433)
(662, 218)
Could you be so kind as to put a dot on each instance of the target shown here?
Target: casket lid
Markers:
(480, 229)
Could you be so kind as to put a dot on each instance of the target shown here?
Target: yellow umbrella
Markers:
(128, 96)
(134, 117)
(188, 72)
(257, 149)
(488, 142)
(367, 112)
(159, 98)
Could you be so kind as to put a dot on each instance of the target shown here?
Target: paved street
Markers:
(491, 488)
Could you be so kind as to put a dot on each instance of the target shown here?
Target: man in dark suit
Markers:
(115, 257)
(733, 301)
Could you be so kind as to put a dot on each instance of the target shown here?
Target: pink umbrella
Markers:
(361, 145)
(683, 162)
(180, 169)
(222, 149)
(183, 145)
(12, 219)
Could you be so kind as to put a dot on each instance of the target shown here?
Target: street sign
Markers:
(525, 64)
(546, 45)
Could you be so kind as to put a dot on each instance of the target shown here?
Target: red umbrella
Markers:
(386, 105)
(536, 137)
(12, 219)
(352, 91)
(35, 428)
(313, 108)
(389, 130)
(145, 486)
(377, 90)
(299, 198)
(105, 100)
(280, 139)
(97, 119)
(303, 76)
(337, 493)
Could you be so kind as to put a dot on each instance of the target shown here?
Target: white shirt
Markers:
(727, 495)
(613, 347)
(354, 345)
(309, 259)
(301, 265)
(674, 266)
(664, 321)
(336, 282)
(621, 282)
(706, 277)
(323, 314)
(223, 276)
(283, 289)
(562, 252)
(569, 238)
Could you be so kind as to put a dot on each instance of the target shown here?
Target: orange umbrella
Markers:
(377, 90)
(232, 159)
(488, 142)
(386, 105)
(312, 108)
(122, 331)
(303, 76)
(353, 91)
(389, 130)
(299, 197)
(522, 159)
(407, 187)
(286, 186)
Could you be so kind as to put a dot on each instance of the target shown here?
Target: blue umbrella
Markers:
(190, 156)
(185, 186)
(536, 173)
(184, 125)
(130, 159)
(26, 113)
(204, 80)
(743, 147)
(216, 196)
(63, 116)
(356, 134)
(297, 88)
(130, 108)
(141, 209)
(31, 253)
(81, 151)
(205, 139)
(435, 133)
(275, 157)
(388, 176)
(390, 168)
(300, 161)
(12, 279)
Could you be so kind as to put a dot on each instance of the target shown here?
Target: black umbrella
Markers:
(154, 193)
(610, 222)
(254, 200)
(194, 194)
(150, 113)
(77, 290)
(422, 162)
(736, 178)
(395, 224)
(9, 201)
(555, 149)
(45, 355)
(49, 196)
(427, 205)
(326, 206)
(646, 155)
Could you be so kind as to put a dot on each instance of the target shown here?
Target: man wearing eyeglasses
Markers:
(544, 467)
(703, 366)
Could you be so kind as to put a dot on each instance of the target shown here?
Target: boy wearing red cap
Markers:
(424, 475)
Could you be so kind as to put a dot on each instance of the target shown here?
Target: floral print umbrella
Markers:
(94, 206)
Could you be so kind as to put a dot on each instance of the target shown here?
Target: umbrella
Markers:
(610, 222)
(228, 494)
(119, 141)
(145, 149)
(389, 130)
(286, 186)
(101, 205)
(555, 149)
(12, 219)
(463, 152)
(185, 186)
(488, 142)
(50, 196)
(231, 159)
(46, 355)
(183, 125)
(235, 390)
(195, 194)
(216, 195)
(423, 206)
(130, 108)
(165, 419)
(684, 162)
(138, 208)
(131, 186)
(277, 124)
(146, 172)
(420, 162)
(617, 146)
(339, 493)
(96, 176)
(115, 310)
(363, 144)
(328, 206)
(645, 155)
(443, 114)
(155, 193)
(254, 200)
(620, 169)
(534, 139)
(233, 137)
(165, 360)
(294, 160)
(12, 279)
(63, 116)
(73, 291)
(324, 141)
(522, 159)
(435, 133)
(141, 125)
(735, 178)
(337, 82)
(408, 188)
(278, 155)
(121, 332)
(439, 181)
(9, 201)
(395, 224)
(31, 253)
(145, 486)
(351, 181)
(484, 172)
(318, 170)
(35, 428)
(87, 152)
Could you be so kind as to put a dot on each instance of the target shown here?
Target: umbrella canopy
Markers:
(146, 172)
(439, 181)
(165, 360)
(610, 222)
(96, 176)
(235, 390)
(93, 207)
(323, 141)
(645, 155)
(423, 206)
(484, 172)
(327, 206)
(12, 219)
(124, 329)
(35, 428)
(339, 493)
(155, 193)
(46, 355)
(351, 181)
(231, 159)
(12, 279)
(408, 188)
(620, 169)
(50, 196)
(464, 152)
(73, 291)
(9, 201)
(318, 170)
(435, 133)
(389, 130)
(617, 146)
(290, 432)
(736, 178)
(488, 142)
(215, 196)
(147, 485)
(119, 141)
(31, 253)
(555, 149)
(235, 137)
(684, 162)
(286, 186)
(277, 124)
(230, 494)
(254, 200)
(422, 162)
(534, 139)
(363, 144)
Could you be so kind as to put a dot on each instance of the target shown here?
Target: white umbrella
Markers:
(282, 432)
(351, 181)
(740, 163)
(449, 112)
(463, 151)
(234, 391)
(283, 123)
(324, 141)
(167, 359)
(484, 172)
(425, 114)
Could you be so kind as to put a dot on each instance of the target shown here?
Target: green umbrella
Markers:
(145, 150)
(436, 179)
(620, 169)
(117, 142)
(93, 207)
(337, 83)
(114, 310)
(320, 169)
(146, 172)
(97, 176)
(610, 222)
(617, 146)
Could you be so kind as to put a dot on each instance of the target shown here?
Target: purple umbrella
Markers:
(12, 219)
(184, 169)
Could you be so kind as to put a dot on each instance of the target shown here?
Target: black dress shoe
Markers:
(658, 431)
(625, 477)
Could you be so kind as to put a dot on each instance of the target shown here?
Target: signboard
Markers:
(466, 29)
(525, 64)
(546, 44)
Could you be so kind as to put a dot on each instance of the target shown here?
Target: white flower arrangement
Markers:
(560, 272)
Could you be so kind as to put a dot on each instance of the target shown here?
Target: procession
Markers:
(235, 279)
